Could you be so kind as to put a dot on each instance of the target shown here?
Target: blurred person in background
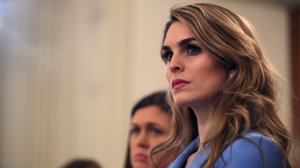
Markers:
(150, 125)
(82, 163)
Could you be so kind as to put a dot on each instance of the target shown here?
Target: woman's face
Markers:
(193, 75)
(149, 127)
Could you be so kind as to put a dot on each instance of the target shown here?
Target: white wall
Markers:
(71, 71)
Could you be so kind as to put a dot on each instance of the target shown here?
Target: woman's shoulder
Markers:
(254, 139)
(252, 149)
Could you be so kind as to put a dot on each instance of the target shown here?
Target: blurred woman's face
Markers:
(149, 127)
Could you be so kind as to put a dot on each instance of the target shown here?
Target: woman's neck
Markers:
(203, 114)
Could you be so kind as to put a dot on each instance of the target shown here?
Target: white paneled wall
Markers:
(72, 69)
(64, 82)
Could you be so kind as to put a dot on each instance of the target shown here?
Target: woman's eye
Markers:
(156, 131)
(167, 56)
(192, 49)
(134, 131)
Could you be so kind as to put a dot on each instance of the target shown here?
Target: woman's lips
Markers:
(140, 157)
(179, 83)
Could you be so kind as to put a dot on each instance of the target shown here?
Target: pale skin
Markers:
(149, 127)
(192, 74)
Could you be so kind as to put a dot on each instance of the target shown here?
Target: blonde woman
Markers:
(222, 94)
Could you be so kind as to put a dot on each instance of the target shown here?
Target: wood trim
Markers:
(294, 19)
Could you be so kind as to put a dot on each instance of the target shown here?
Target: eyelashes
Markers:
(189, 50)
(136, 130)
(193, 49)
(156, 131)
(167, 55)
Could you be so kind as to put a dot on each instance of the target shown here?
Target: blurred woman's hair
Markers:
(82, 163)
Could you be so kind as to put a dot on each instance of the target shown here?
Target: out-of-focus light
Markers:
(1, 13)
(1, 6)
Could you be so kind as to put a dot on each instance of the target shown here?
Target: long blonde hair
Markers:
(248, 100)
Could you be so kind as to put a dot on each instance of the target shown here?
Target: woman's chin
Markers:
(141, 165)
(181, 103)
(181, 99)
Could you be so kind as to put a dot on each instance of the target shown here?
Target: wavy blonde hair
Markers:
(248, 100)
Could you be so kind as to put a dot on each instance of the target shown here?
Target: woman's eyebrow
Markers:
(186, 41)
(154, 124)
(165, 47)
(133, 124)
(180, 43)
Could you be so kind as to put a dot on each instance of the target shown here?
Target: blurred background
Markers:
(70, 71)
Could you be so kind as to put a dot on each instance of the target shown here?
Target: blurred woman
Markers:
(150, 125)
(82, 163)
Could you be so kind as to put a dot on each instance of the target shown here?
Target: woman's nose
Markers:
(175, 64)
(143, 140)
